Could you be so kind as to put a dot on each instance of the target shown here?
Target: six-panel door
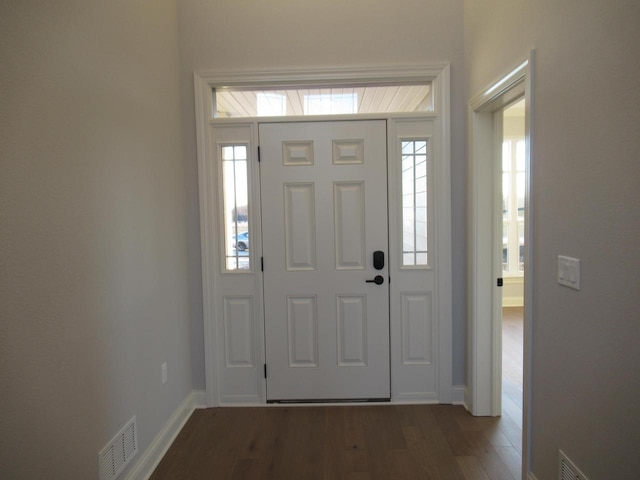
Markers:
(324, 214)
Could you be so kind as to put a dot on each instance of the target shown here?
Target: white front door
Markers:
(324, 214)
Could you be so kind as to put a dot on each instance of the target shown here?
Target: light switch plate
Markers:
(569, 272)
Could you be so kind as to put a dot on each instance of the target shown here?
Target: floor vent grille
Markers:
(117, 454)
(568, 470)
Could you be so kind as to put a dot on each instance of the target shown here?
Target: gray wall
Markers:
(232, 35)
(586, 359)
(93, 238)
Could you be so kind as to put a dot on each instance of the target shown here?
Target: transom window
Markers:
(273, 102)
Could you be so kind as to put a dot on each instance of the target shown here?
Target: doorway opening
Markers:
(500, 252)
(511, 122)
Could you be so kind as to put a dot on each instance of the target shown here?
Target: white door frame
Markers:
(251, 389)
(485, 330)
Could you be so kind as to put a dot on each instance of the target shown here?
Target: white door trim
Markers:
(204, 82)
(484, 329)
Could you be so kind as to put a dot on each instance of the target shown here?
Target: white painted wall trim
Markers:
(513, 291)
(321, 76)
(206, 177)
(149, 460)
(459, 395)
(528, 277)
(442, 102)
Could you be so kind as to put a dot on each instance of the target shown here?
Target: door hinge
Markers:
(265, 370)
(262, 264)
(500, 282)
(259, 153)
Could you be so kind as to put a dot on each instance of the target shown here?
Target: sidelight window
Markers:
(414, 203)
(236, 207)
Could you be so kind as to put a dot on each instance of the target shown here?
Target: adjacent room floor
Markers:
(512, 358)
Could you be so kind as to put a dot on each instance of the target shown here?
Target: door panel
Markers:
(324, 213)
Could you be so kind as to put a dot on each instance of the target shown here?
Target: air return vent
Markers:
(119, 451)
(568, 470)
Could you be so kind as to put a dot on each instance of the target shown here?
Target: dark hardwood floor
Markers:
(385, 442)
(352, 442)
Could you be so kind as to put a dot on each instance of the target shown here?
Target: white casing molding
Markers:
(221, 388)
(459, 393)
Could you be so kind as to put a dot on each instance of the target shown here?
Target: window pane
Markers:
(505, 246)
(520, 163)
(330, 103)
(521, 246)
(414, 203)
(235, 207)
(506, 156)
(240, 152)
(520, 192)
(248, 102)
(421, 240)
(506, 191)
(227, 153)
(271, 104)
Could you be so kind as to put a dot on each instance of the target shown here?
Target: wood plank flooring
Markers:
(352, 442)
(512, 368)
(512, 360)
(378, 442)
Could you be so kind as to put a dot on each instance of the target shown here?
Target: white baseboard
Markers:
(199, 399)
(461, 396)
(458, 394)
(414, 398)
(147, 463)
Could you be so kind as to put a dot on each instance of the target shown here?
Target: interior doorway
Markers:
(510, 121)
(490, 251)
